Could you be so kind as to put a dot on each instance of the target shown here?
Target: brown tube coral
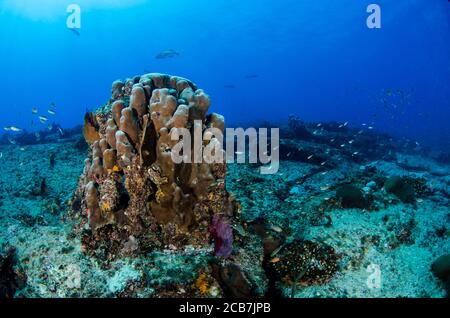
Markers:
(131, 183)
(138, 100)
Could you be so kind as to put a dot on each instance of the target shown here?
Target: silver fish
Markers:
(13, 128)
(167, 54)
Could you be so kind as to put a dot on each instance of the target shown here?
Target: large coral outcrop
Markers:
(131, 187)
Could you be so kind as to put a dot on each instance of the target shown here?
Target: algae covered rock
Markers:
(305, 262)
(12, 276)
(400, 188)
(441, 267)
(351, 197)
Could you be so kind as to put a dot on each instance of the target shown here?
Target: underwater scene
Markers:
(225, 149)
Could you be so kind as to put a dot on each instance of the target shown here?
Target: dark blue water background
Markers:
(316, 59)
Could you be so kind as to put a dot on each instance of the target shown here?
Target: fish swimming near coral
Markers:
(43, 119)
(167, 54)
(51, 112)
(34, 110)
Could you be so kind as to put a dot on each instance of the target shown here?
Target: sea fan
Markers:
(223, 236)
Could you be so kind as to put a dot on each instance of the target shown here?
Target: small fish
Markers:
(319, 125)
(34, 110)
(275, 260)
(43, 119)
(13, 128)
(370, 127)
(167, 54)
(1, 155)
(276, 228)
(332, 140)
(12, 141)
(323, 163)
(343, 145)
(288, 154)
(277, 250)
(346, 123)
(351, 141)
(324, 188)
(61, 131)
(50, 127)
(355, 153)
(309, 157)
(239, 153)
(23, 149)
(51, 112)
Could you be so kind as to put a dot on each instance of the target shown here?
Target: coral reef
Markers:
(291, 235)
(351, 197)
(305, 262)
(403, 190)
(131, 187)
(12, 276)
(441, 267)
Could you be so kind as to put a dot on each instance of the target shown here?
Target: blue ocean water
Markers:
(259, 60)
(343, 204)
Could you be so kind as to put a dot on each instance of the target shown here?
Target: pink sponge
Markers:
(223, 236)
